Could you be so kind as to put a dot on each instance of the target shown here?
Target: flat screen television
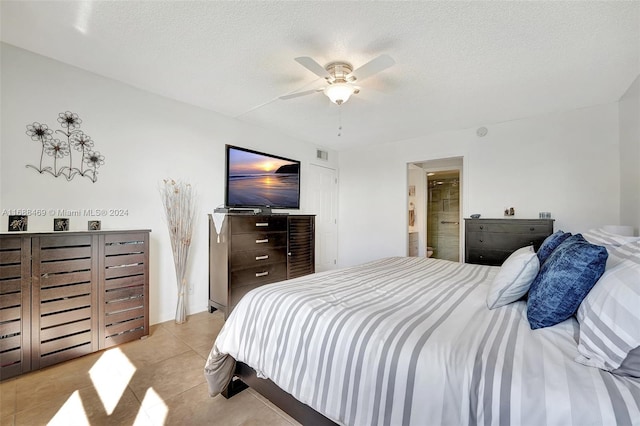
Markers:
(258, 180)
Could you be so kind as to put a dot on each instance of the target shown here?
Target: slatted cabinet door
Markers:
(301, 248)
(124, 288)
(65, 314)
(15, 306)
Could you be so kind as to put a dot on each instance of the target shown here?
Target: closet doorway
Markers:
(435, 208)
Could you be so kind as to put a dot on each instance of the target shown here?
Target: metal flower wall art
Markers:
(72, 139)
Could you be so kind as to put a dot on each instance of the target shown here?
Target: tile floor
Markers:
(153, 381)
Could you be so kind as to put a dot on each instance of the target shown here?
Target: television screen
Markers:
(256, 179)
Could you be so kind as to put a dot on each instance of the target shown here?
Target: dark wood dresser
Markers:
(248, 251)
(67, 294)
(491, 241)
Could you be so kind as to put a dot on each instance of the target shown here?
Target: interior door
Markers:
(323, 202)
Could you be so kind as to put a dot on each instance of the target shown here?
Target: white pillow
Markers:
(514, 278)
(610, 319)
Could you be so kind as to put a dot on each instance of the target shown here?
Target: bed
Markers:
(410, 341)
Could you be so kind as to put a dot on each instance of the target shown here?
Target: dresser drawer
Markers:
(257, 241)
(504, 240)
(515, 228)
(488, 257)
(245, 224)
(262, 274)
(252, 258)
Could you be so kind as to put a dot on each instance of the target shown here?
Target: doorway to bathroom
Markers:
(435, 208)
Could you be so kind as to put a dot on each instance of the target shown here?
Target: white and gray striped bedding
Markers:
(404, 341)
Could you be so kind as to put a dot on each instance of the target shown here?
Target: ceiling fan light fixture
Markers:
(339, 93)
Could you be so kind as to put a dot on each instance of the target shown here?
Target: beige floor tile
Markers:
(271, 405)
(84, 406)
(6, 420)
(196, 407)
(54, 383)
(198, 332)
(55, 410)
(194, 319)
(8, 398)
(124, 411)
(198, 339)
(169, 377)
(159, 346)
(203, 350)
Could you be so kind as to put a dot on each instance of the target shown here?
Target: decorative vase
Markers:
(178, 201)
(181, 307)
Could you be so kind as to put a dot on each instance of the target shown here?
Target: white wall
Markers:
(144, 139)
(566, 163)
(630, 156)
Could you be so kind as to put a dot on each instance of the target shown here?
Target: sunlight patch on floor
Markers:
(111, 375)
(71, 413)
(160, 409)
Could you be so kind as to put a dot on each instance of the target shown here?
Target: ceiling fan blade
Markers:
(297, 94)
(313, 66)
(372, 67)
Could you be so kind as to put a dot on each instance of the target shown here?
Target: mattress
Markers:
(411, 341)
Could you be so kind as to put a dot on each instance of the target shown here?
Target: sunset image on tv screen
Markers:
(261, 180)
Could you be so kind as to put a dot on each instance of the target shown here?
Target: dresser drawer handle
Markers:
(262, 274)
(532, 229)
(262, 223)
(481, 227)
(266, 256)
(266, 240)
(482, 241)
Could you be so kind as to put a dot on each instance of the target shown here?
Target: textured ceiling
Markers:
(458, 64)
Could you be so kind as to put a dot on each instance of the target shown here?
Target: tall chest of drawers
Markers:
(491, 241)
(248, 251)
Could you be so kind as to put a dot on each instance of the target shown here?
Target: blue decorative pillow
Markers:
(550, 244)
(564, 280)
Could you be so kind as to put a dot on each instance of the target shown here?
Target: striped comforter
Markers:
(404, 341)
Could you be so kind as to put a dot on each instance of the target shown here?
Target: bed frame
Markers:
(245, 376)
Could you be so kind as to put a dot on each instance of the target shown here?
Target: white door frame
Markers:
(440, 168)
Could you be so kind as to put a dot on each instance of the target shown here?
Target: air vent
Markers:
(322, 155)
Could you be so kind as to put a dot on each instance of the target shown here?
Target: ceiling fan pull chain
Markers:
(339, 120)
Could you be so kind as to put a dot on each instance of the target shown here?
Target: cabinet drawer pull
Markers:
(266, 240)
(266, 256)
(481, 227)
(262, 274)
(532, 229)
(262, 223)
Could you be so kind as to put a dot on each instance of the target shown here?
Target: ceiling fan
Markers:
(340, 77)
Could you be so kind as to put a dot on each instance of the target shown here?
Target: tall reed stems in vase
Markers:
(179, 207)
